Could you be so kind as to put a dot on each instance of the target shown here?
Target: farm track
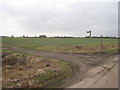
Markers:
(89, 65)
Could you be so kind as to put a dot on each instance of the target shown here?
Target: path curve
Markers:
(89, 66)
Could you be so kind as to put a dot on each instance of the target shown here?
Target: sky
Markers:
(58, 17)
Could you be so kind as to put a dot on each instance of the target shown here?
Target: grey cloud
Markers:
(64, 18)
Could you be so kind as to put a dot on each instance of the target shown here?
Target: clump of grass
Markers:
(55, 78)
(55, 71)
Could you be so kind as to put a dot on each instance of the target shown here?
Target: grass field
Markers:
(66, 45)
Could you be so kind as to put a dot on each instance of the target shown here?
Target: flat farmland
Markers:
(79, 68)
(64, 45)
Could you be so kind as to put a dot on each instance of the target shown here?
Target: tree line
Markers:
(44, 36)
(12, 36)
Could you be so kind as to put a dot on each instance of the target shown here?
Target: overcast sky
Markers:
(58, 17)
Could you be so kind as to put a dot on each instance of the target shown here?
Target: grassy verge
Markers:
(55, 71)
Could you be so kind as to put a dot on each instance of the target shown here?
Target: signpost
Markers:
(89, 35)
(101, 45)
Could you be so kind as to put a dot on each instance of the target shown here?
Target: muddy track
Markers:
(84, 62)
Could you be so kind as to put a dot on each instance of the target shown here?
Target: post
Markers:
(101, 43)
(89, 35)
(90, 39)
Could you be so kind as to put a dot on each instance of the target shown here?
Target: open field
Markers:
(65, 45)
(90, 67)
(59, 44)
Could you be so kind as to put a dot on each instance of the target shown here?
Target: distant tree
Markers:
(12, 36)
(35, 36)
(42, 36)
(23, 36)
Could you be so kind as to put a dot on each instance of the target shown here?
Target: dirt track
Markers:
(91, 67)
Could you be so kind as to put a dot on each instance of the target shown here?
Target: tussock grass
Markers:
(55, 71)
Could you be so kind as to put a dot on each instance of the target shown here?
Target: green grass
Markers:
(66, 45)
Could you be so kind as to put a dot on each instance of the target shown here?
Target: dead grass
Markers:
(80, 48)
(21, 71)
